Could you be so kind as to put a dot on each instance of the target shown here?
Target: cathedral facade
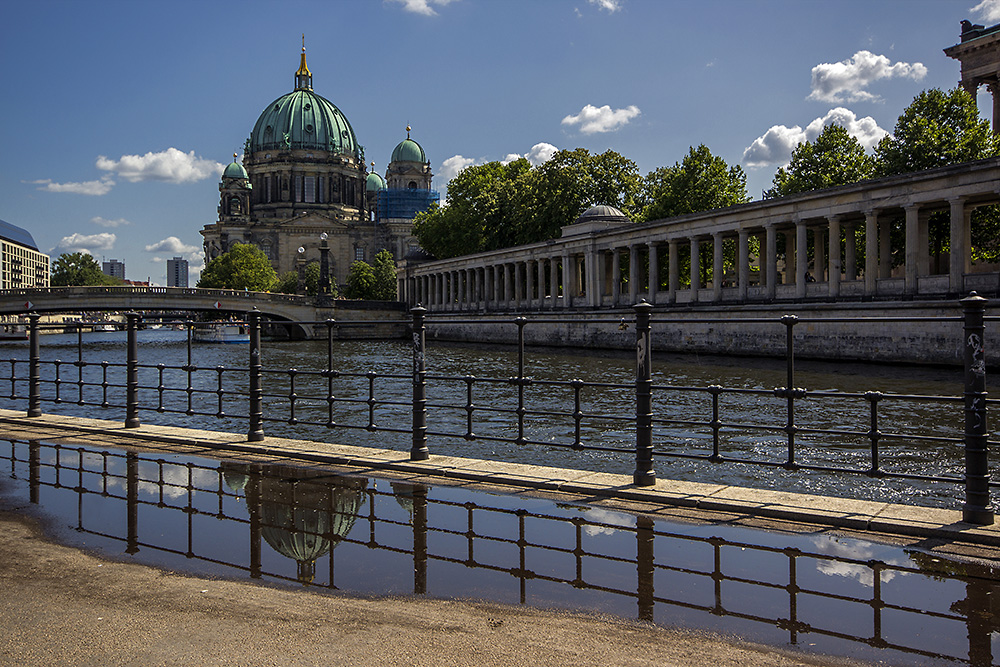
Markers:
(303, 185)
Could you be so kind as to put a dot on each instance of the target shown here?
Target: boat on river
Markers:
(13, 332)
(221, 332)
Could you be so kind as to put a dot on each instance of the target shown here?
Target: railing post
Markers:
(34, 371)
(419, 450)
(132, 370)
(644, 474)
(256, 431)
(977, 472)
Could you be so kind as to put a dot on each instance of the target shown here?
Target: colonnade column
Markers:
(554, 280)
(633, 274)
(912, 248)
(695, 268)
(819, 255)
(717, 270)
(959, 260)
(529, 282)
(743, 263)
(871, 252)
(834, 265)
(673, 281)
(616, 277)
(567, 294)
(850, 252)
(801, 258)
(654, 271)
(590, 277)
(771, 246)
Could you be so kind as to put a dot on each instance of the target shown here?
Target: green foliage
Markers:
(384, 271)
(79, 268)
(699, 182)
(936, 130)
(244, 266)
(288, 283)
(834, 158)
(360, 281)
(494, 205)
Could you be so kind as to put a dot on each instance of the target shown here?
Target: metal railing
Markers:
(651, 570)
(507, 409)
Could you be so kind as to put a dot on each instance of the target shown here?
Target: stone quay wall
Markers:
(868, 336)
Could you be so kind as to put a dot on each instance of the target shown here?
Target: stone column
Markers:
(530, 271)
(616, 278)
(743, 263)
(958, 262)
(718, 273)
(587, 275)
(633, 274)
(673, 280)
(871, 252)
(507, 284)
(801, 259)
(771, 246)
(834, 263)
(653, 251)
(850, 252)
(695, 272)
(554, 280)
(912, 248)
(790, 270)
(567, 295)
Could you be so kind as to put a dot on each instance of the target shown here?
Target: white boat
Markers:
(221, 332)
(13, 332)
(104, 326)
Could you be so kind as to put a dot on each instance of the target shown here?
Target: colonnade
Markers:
(870, 240)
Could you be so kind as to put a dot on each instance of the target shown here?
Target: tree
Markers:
(494, 205)
(834, 158)
(79, 268)
(384, 274)
(360, 281)
(699, 182)
(288, 283)
(566, 185)
(936, 130)
(243, 267)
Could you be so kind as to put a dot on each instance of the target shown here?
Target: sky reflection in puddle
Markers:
(304, 525)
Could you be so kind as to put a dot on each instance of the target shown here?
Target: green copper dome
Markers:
(303, 119)
(409, 151)
(235, 170)
(374, 183)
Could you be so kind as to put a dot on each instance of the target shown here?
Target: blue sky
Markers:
(119, 116)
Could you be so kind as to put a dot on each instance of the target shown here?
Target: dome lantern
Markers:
(303, 77)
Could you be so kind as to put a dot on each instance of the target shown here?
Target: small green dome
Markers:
(374, 183)
(235, 170)
(303, 119)
(409, 151)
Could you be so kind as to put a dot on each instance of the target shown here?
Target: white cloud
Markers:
(541, 153)
(610, 6)
(453, 165)
(775, 146)
(593, 119)
(174, 245)
(847, 80)
(95, 188)
(104, 222)
(171, 166)
(988, 10)
(87, 243)
(423, 7)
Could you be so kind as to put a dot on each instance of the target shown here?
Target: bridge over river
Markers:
(305, 316)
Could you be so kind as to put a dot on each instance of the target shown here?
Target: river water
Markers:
(919, 435)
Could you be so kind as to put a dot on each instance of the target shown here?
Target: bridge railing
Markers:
(649, 417)
(120, 290)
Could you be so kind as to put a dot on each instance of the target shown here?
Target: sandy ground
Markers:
(61, 606)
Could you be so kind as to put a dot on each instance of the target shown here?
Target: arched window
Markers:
(412, 185)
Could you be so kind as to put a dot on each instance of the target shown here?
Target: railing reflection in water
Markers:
(646, 419)
(392, 537)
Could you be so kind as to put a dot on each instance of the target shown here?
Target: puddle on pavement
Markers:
(303, 526)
